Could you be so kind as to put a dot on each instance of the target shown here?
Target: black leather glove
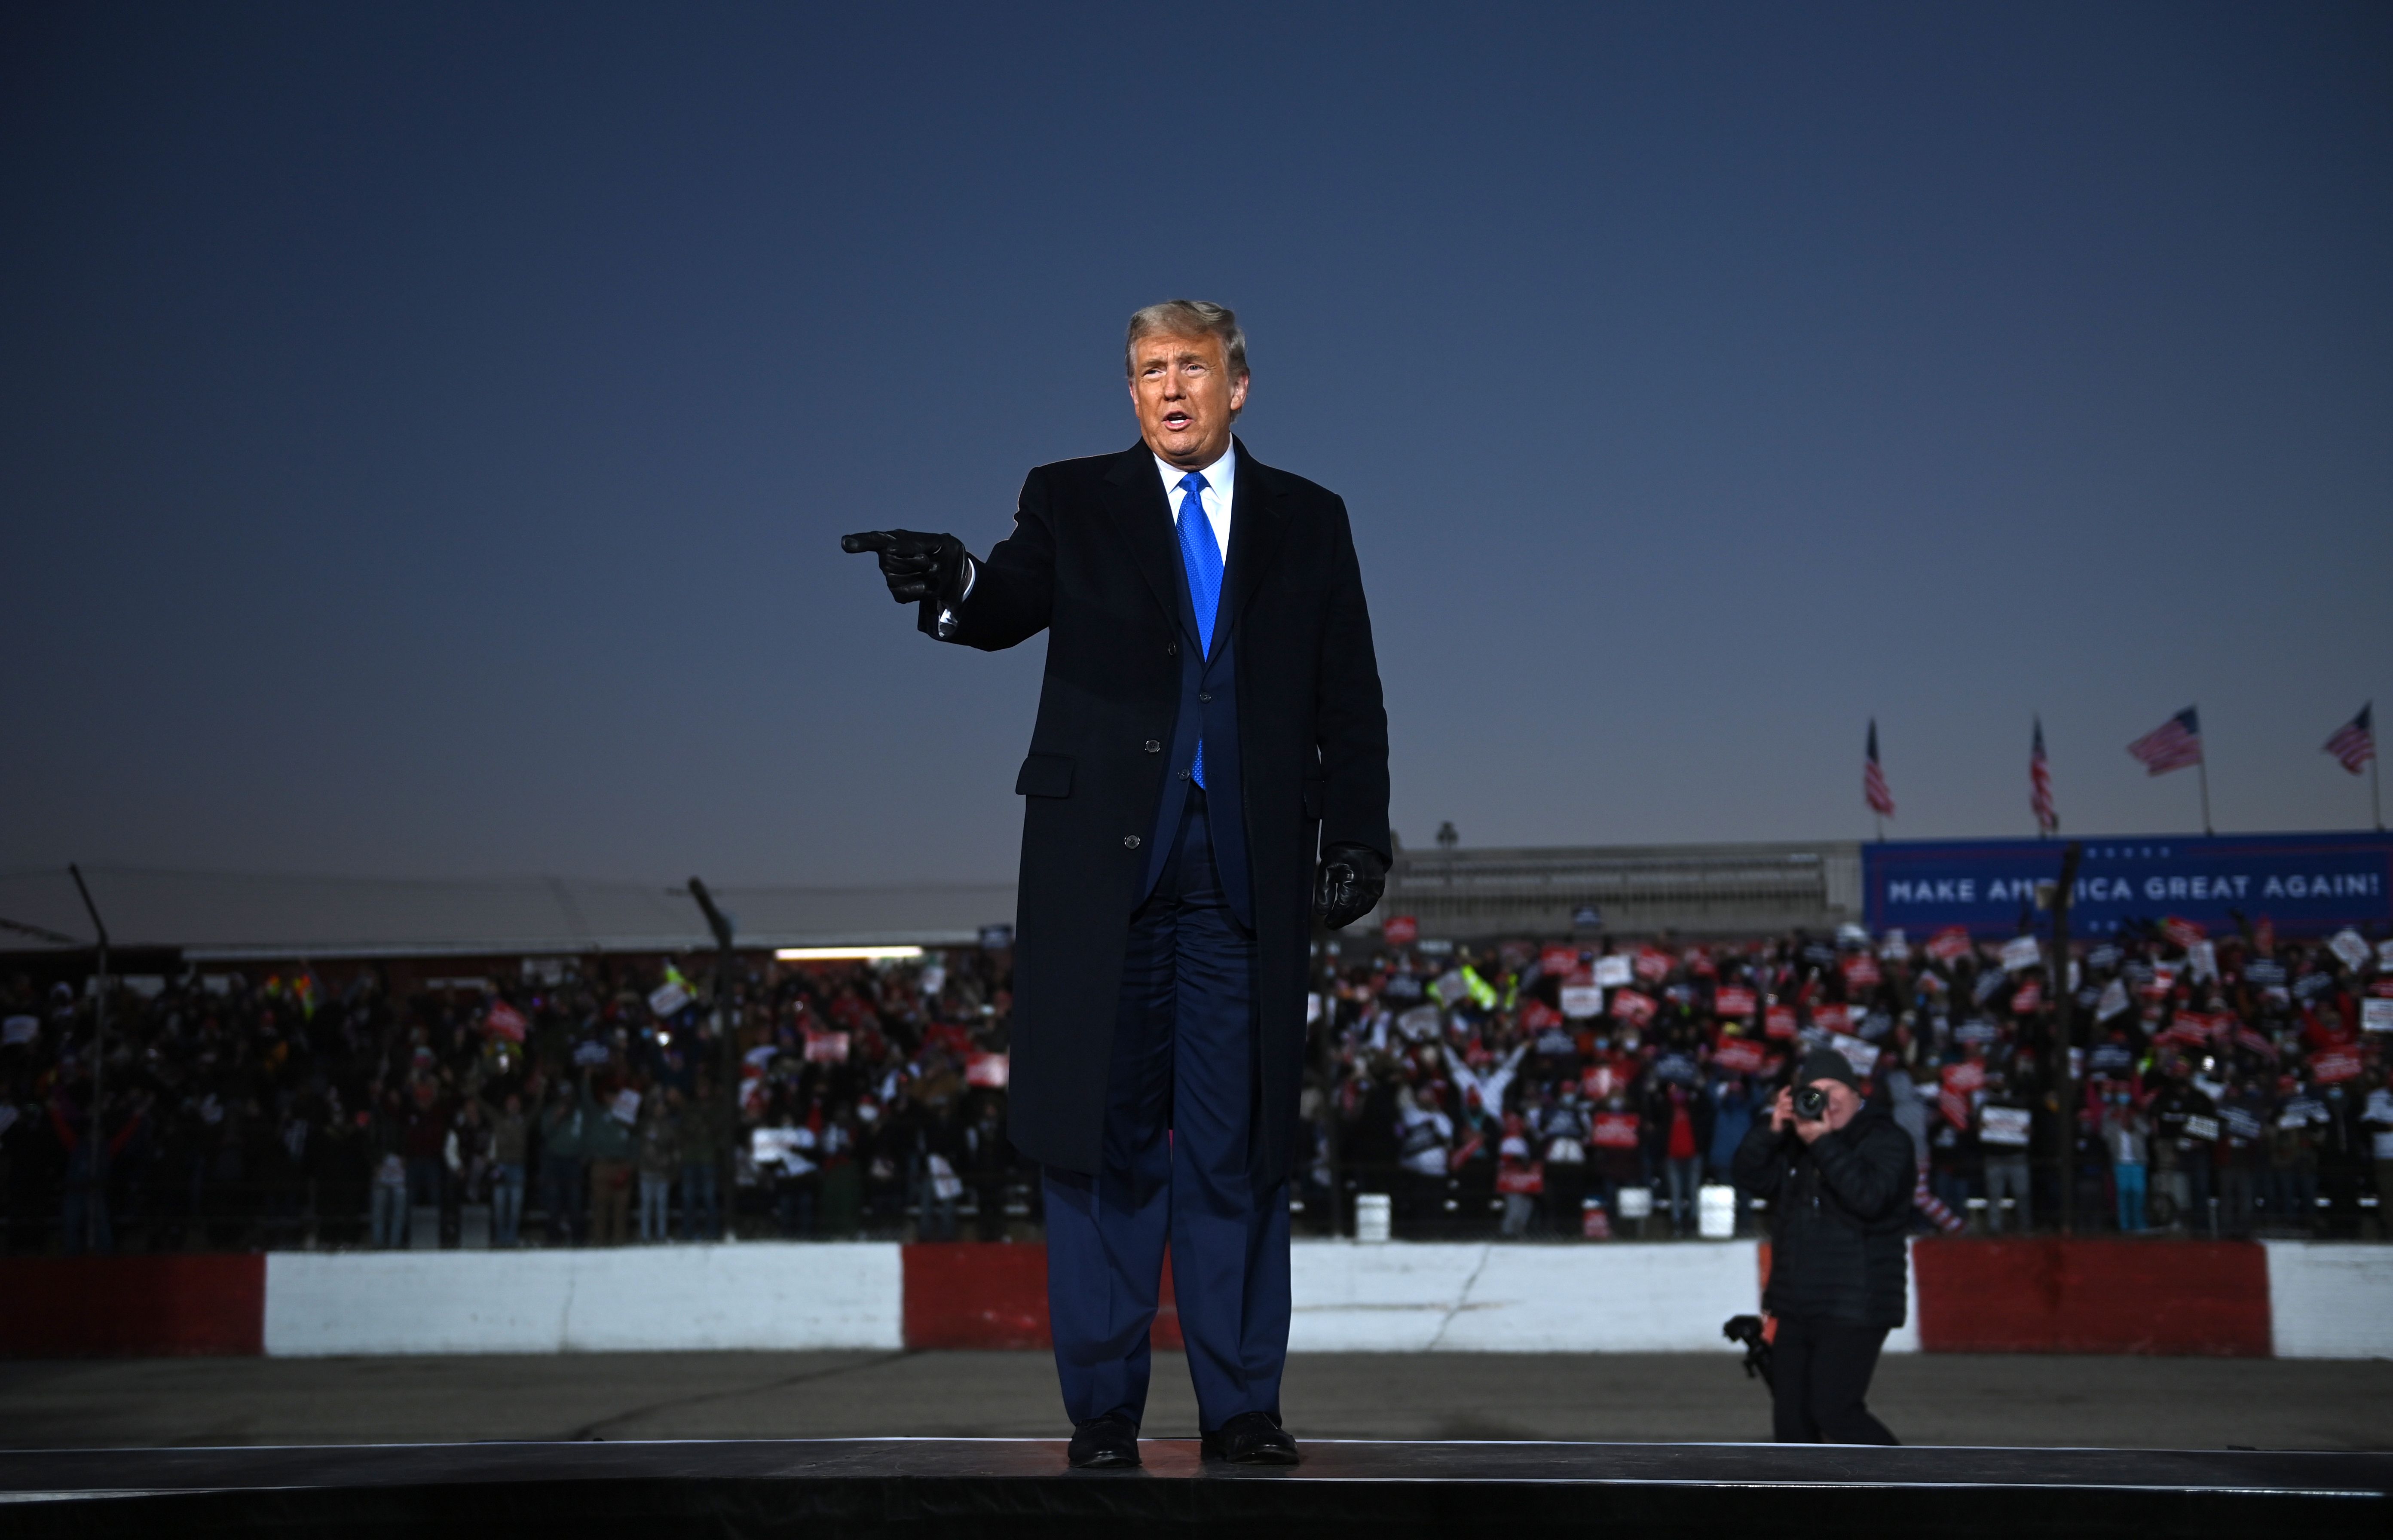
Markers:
(1349, 885)
(917, 567)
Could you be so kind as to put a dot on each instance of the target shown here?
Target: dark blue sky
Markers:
(428, 430)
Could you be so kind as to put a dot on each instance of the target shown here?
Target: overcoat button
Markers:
(1204, 697)
(1171, 649)
(1130, 842)
(1153, 747)
(1184, 775)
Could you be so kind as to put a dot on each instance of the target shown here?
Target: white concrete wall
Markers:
(634, 1299)
(1491, 1297)
(2329, 1300)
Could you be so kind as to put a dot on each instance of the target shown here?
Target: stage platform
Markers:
(1019, 1487)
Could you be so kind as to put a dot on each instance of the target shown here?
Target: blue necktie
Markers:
(1202, 557)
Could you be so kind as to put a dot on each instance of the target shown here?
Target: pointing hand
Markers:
(917, 567)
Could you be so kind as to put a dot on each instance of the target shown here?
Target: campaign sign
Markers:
(1613, 1130)
(1400, 930)
(1739, 1055)
(1582, 1001)
(1733, 1000)
(2308, 884)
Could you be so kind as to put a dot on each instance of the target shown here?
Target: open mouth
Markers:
(1176, 420)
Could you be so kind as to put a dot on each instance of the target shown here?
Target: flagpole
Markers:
(2203, 767)
(2375, 796)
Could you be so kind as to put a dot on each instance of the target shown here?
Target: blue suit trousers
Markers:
(1179, 1136)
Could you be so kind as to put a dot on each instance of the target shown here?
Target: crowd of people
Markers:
(2217, 1085)
(1563, 1091)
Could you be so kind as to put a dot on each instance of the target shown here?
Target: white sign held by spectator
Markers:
(1612, 973)
(2006, 1126)
(2346, 945)
(666, 998)
(1582, 1001)
(1860, 1052)
(2375, 1015)
(20, 1029)
(626, 1107)
(2020, 952)
(2113, 1001)
(2202, 959)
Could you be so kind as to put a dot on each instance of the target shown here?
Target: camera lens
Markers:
(1811, 1103)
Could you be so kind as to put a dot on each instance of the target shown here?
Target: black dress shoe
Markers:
(1104, 1444)
(1250, 1437)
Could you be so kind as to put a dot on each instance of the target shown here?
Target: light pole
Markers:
(96, 1129)
(2064, 1014)
(727, 1074)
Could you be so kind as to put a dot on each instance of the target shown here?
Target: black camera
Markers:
(1811, 1103)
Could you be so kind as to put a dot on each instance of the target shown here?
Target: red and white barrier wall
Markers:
(2240, 1299)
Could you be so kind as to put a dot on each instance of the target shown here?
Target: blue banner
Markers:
(2306, 884)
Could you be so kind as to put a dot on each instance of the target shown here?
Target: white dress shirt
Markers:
(1221, 485)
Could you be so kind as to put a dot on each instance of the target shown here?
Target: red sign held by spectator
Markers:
(1733, 1000)
(987, 1069)
(1400, 930)
(1833, 1018)
(504, 1021)
(2029, 998)
(1558, 961)
(1613, 1130)
(1965, 1076)
(1779, 1022)
(1632, 1007)
(826, 1048)
(1951, 942)
(1861, 973)
(2184, 932)
(1653, 966)
(2336, 1065)
(1740, 1054)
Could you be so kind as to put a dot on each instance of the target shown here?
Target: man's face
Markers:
(1184, 394)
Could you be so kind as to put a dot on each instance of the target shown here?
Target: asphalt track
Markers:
(1946, 1398)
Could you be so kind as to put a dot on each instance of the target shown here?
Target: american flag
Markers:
(2354, 743)
(2171, 746)
(2039, 781)
(1881, 801)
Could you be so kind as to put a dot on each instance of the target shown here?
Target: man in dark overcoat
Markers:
(1208, 770)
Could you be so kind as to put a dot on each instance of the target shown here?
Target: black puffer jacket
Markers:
(1838, 1213)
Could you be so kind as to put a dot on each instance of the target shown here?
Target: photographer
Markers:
(1839, 1176)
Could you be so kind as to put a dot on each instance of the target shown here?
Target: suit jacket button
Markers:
(1153, 747)
(1171, 649)
(1202, 696)
(1130, 842)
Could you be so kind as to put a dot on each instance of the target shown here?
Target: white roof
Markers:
(231, 916)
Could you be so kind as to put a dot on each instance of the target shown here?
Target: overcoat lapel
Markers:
(1134, 498)
(1257, 521)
